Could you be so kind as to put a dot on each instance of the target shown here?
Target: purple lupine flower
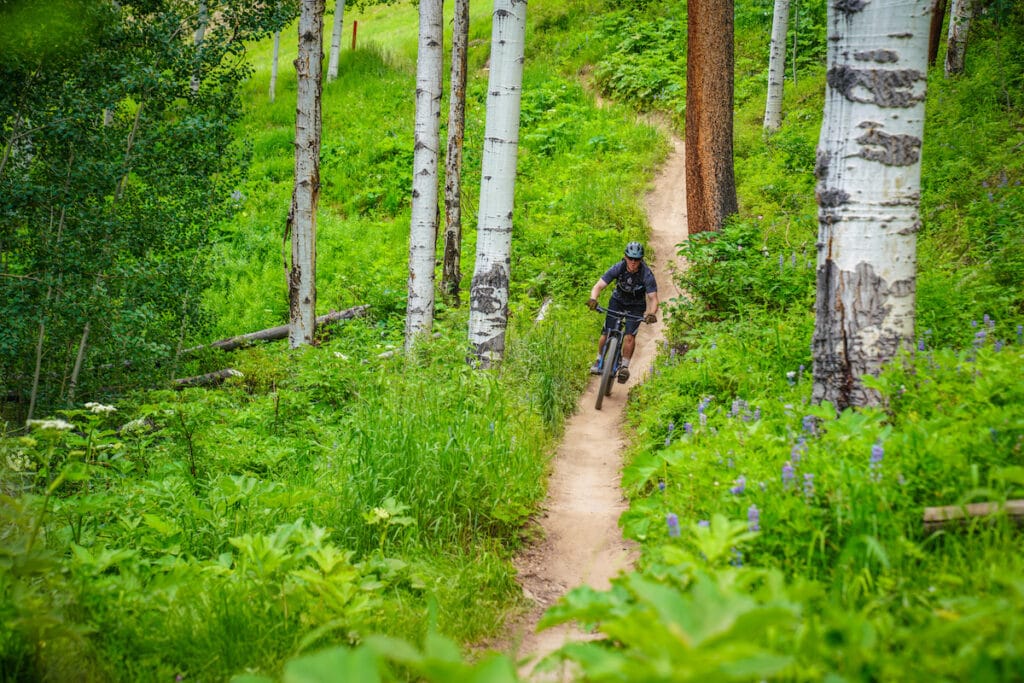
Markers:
(809, 424)
(1020, 334)
(672, 520)
(740, 487)
(974, 323)
(799, 448)
(787, 475)
(757, 414)
(704, 523)
(989, 322)
(688, 428)
(998, 345)
(920, 343)
(661, 484)
(737, 406)
(668, 436)
(875, 465)
(808, 485)
(782, 260)
(703, 420)
(754, 518)
(979, 338)
(737, 558)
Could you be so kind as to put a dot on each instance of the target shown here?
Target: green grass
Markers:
(334, 493)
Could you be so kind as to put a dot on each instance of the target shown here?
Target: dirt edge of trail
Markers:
(581, 543)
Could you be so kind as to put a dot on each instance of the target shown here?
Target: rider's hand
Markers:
(650, 319)
(592, 304)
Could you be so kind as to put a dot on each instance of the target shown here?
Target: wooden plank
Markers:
(940, 516)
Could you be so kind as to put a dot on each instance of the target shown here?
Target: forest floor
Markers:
(580, 540)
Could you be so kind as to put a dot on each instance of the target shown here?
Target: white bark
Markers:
(419, 316)
(302, 217)
(273, 65)
(197, 41)
(489, 291)
(869, 172)
(776, 66)
(956, 44)
(332, 63)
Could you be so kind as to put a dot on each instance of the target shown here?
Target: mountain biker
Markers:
(635, 293)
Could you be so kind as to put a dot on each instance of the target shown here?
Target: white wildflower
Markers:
(56, 424)
(19, 462)
(99, 408)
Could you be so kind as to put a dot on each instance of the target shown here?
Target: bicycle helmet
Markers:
(634, 250)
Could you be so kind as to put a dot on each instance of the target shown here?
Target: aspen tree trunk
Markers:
(419, 315)
(197, 41)
(956, 44)
(332, 63)
(489, 290)
(452, 269)
(302, 217)
(710, 180)
(776, 66)
(79, 358)
(869, 173)
(273, 65)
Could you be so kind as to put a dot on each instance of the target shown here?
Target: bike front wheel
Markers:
(611, 348)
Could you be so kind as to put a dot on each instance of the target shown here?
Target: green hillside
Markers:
(348, 501)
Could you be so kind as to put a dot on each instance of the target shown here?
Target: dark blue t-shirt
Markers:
(632, 288)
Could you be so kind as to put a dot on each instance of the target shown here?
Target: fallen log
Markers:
(940, 516)
(210, 379)
(279, 332)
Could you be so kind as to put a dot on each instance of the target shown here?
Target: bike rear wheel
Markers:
(611, 348)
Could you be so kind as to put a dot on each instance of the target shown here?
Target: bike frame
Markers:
(611, 352)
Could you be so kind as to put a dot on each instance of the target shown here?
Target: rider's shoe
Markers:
(595, 369)
(623, 374)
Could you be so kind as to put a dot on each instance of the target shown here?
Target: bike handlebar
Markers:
(619, 314)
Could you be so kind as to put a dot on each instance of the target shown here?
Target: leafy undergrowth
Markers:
(336, 493)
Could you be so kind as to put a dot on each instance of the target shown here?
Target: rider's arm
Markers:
(652, 304)
(596, 289)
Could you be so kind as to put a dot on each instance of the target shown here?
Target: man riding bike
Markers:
(635, 293)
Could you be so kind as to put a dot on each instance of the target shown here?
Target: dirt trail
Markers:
(582, 542)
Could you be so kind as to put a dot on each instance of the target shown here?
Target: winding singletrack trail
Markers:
(582, 543)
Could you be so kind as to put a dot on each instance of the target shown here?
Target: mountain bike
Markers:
(611, 354)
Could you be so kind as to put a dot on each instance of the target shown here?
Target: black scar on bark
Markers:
(888, 87)
(831, 198)
(880, 56)
(493, 346)
(483, 287)
(891, 150)
(849, 7)
(822, 161)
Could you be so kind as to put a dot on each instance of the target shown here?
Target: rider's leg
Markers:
(628, 344)
(595, 369)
